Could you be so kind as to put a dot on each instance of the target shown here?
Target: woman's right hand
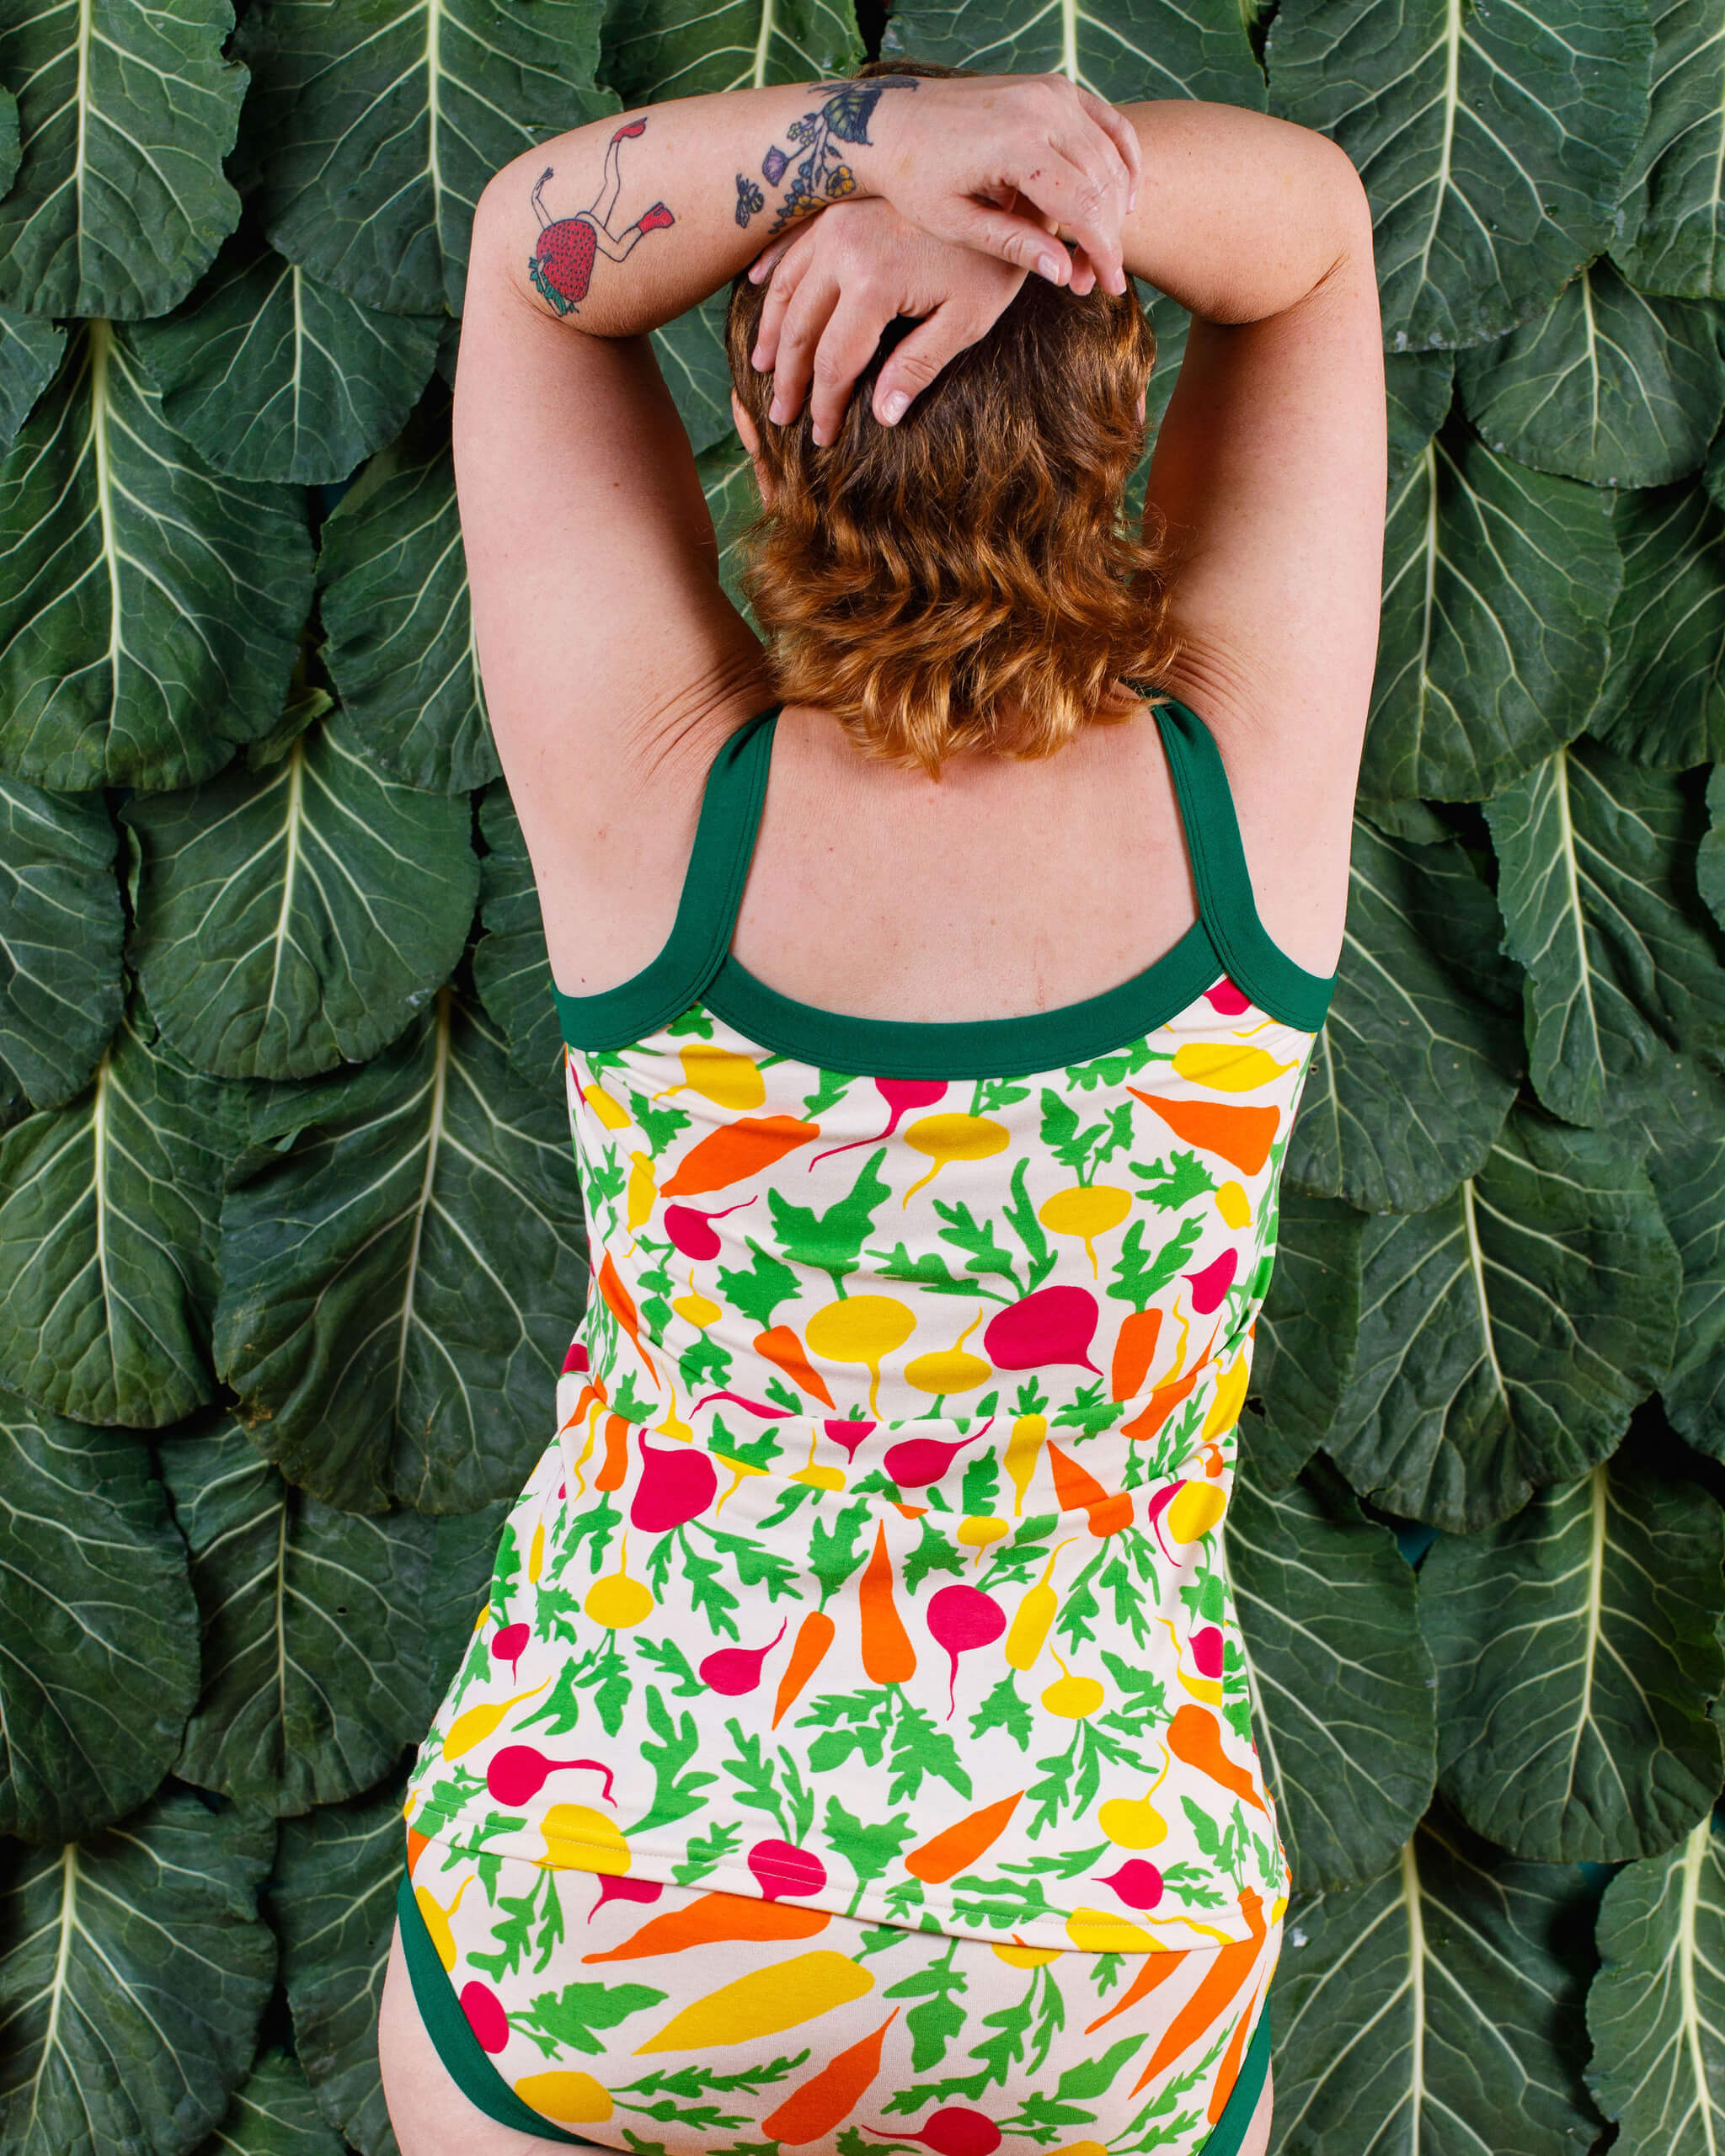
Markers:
(954, 153)
(838, 279)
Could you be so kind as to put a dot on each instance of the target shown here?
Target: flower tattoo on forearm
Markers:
(821, 175)
(562, 262)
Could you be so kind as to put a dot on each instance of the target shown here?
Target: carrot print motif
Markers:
(620, 1304)
(888, 1654)
(781, 1996)
(1231, 1967)
(957, 1847)
(1194, 1737)
(784, 1351)
(741, 1149)
(815, 1635)
(828, 2100)
(713, 1919)
(1242, 1136)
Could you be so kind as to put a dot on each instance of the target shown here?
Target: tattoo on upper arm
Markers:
(821, 175)
(562, 262)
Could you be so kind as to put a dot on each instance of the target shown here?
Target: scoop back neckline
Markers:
(695, 971)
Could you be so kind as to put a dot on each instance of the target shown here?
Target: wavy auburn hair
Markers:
(966, 578)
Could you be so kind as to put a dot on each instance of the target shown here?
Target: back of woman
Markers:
(939, 981)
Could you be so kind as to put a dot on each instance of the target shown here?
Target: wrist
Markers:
(829, 153)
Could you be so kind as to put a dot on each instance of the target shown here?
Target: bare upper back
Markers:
(1008, 887)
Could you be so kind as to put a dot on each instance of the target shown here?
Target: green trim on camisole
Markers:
(696, 967)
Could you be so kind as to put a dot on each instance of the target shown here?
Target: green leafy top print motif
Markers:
(877, 1560)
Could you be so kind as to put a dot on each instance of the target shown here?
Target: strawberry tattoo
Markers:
(562, 262)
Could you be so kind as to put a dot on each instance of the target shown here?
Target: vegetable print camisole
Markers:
(877, 1563)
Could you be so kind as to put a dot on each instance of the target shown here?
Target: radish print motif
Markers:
(562, 262)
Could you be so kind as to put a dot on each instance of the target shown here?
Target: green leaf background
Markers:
(269, 938)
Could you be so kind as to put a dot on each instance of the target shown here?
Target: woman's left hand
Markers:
(839, 279)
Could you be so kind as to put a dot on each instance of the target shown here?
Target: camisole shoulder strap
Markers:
(706, 912)
(1226, 903)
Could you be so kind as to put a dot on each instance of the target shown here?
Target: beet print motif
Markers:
(561, 264)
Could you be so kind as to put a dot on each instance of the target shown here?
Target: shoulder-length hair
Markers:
(966, 579)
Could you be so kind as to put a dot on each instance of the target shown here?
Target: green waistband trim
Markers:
(1243, 2097)
(472, 2071)
(453, 2036)
(695, 966)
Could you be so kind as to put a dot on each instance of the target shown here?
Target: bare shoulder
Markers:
(1270, 468)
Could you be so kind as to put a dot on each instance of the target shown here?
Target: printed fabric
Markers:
(878, 1562)
(622, 2012)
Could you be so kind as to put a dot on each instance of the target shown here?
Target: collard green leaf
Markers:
(274, 2113)
(1415, 822)
(734, 502)
(315, 1669)
(333, 1901)
(1710, 854)
(464, 1553)
(1134, 48)
(1596, 856)
(1420, 1060)
(375, 125)
(399, 1287)
(1419, 388)
(1577, 1650)
(1341, 1679)
(1672, 235)
(512, 967)
(1307, 1329)
(60, 929)
(1610, 385)
(1655, 2011)
(657, 49)
(270, 375)
(691, 358)
(1492, 145)
(1683, 1118)
(1662, 698)
(30, 352)
(9, 146)
(127, 113)
(133, 1974)
(108, 1213)
(100, 1666)
(1497, 582)
(1170, 322)
(394, 608)
(294, 917)
(1506, 1334)
(150, 610)
(1438, 2008)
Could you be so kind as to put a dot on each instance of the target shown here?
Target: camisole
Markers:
(877, 1563)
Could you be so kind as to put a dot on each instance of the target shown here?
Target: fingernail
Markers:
(776, 413)
(757, 358)
(1049, 267)
(896, 408)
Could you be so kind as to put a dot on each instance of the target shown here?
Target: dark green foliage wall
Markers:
(289, 1227)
